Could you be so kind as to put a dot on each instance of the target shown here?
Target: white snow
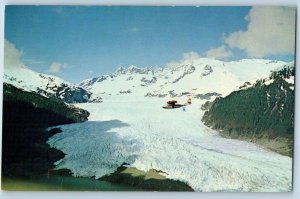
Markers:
(223, 78)
(29, 80)
(268, 81)
(290, 80)
(138, 131)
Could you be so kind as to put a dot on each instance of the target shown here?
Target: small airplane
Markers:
(173, 104)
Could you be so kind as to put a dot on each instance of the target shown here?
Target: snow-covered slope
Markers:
(285, 72)
(201, 78)
(29, 80)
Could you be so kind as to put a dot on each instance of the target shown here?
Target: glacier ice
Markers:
(148, 137)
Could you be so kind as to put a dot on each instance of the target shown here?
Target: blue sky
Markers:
(76, 43)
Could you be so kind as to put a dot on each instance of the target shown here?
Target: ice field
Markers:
(174, 141)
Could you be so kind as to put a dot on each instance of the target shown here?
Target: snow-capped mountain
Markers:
(203, 78)
(29, 80)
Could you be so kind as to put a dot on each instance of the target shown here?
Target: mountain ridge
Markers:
(45, 85)
(203, 78)
(191, 78)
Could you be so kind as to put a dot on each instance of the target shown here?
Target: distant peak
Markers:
(133, 69)
(121, 70)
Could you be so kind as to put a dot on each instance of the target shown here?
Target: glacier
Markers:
(140, 132)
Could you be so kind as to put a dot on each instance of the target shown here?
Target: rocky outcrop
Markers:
(207, 96)
(187, 69)
(67, 93)
(156, 95)
(207, 70)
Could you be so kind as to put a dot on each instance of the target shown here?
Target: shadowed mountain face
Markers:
(26, 115)
(264, 110)
(68, 93)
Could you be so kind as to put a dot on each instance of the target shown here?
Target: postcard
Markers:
(148, 98)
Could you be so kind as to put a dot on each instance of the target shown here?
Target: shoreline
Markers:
(151, 180)
(124, 179)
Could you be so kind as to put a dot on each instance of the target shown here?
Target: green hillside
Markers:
(263, 113)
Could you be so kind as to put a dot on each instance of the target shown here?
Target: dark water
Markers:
(63, 183)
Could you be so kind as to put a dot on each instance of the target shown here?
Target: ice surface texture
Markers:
(173, 141)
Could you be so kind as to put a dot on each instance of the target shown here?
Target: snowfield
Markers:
(146, 136)
(200, 76)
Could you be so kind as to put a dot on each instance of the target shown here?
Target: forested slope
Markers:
(262, 113)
